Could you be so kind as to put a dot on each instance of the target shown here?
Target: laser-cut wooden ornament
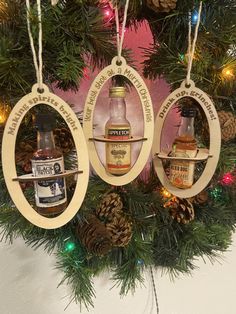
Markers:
(211, 155)
(32, 99)
(119, 68)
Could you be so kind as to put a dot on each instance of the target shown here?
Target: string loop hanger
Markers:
(192, 45)
(120, 37)
(38, 61)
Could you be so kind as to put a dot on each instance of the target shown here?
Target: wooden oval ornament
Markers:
(215, 139)
(107, 73)
(8, 157)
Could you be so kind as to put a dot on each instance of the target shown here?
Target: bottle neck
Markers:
(186, 127)
(117, 108)
(45, 140)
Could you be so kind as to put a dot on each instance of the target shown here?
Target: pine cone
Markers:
(180, 209)
(64, 140)
(110, 206)
(228, 125)
(120, 230)
(161, 5)
(24, 154)
(94, 236)
(201, 198)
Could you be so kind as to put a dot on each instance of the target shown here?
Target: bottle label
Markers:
(49, 193)
(182, 171)
(118, 155)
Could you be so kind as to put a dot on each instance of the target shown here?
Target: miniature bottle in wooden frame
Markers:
(184, 145)
(118, 155)
(50, 195)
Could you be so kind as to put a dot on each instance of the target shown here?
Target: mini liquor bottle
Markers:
(50, 194)
(118, 155)
(185, 145)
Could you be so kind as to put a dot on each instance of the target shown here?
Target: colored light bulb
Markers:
(165, 193)
(227, 73)
(4, 113)
(217, 192)
(108, 13)
(69, 246)
(195, 17)
(227, 179)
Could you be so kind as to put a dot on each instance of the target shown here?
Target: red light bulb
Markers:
(108, 13)
(227, 179)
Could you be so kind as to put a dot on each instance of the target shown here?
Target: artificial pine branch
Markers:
(78, 277)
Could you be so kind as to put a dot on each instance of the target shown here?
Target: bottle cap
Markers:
(188, 112)
(45, 122)
(117, 92)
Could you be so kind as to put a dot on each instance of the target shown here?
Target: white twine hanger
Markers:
(38, 62)
(192, 46)
(120, 38)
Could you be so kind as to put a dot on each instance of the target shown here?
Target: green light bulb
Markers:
(216, 193)
(69, 246)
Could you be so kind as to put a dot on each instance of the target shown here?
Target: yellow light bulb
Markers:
(165, 193)
(4, 113)
(228, 73)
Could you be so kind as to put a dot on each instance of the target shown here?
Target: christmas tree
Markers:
(139, 225)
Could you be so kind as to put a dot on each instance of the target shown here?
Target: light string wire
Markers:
(38, 63)
(120, 38)
(154, 289)
(192, 46)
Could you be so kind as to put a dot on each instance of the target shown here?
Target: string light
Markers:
(165, 193)
(4, 113)
(227, 179)
(86, 73)
(140, 262)
(194, 18)
(228, 73)
(108, 13)
(69, 246)
(181, 56)
(217, 192)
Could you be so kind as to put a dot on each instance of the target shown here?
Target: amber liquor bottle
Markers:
(50, 194)
(118, 155)
(185, 145)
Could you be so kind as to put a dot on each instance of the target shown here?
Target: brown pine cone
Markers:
(24, 154)
(94, 236)
(200, 199)
(121, 231)
(180, 209)
(161, 5)
(64, 140)
(110, 206)
(227, 124)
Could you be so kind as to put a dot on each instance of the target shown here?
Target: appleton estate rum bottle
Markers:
(185, 145)
(50, 195)
(118, 155)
